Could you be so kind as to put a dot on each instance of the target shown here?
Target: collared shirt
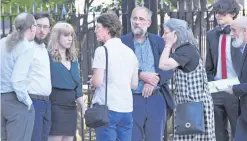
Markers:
(40, 77)
(145, 58)
(243, 48)
(122, 66)
(229, 66)
(15, 68)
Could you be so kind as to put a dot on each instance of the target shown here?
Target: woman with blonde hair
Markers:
(66, 85)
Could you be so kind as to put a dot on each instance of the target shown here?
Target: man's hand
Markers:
(150, 78)
(147, 90)
(230, 91)
(29, 107)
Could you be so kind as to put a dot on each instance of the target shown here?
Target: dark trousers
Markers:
(16, 120)
(42, 122)
(149, 116)
(225, 108)
(241, 130)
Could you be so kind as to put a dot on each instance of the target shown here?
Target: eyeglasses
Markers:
(135, 19)
(45, 27)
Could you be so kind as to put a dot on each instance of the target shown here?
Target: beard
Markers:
(40, 41)
(238, 42)
(139, 31)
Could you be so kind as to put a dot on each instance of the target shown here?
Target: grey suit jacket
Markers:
(212, 55)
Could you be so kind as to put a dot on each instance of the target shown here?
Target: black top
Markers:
(187, 56)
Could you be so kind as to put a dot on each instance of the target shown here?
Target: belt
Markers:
(156, 91)
(39, 97)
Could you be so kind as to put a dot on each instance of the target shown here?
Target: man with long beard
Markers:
(239, 37)
(40, 79)
(150, 106)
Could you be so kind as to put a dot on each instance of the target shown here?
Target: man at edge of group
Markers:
(223, 62)
(239, 37)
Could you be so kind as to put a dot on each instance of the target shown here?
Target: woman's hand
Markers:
(80, 100)
(171, 39)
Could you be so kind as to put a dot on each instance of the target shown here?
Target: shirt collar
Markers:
(223, 26)
(39, 45)
(242, 48)
(112, 41)
(135, 42)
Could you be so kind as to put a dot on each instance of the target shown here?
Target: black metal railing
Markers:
(200, 20)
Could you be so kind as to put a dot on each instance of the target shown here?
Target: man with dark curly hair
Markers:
(223, 62)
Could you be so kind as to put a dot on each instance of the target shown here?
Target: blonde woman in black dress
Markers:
(66, 84)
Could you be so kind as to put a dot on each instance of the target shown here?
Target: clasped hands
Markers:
(151, 80)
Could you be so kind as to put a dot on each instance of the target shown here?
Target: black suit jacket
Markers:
(241, 89)
(212, 55)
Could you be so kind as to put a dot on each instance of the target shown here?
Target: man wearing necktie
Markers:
(223, 62)
(239, 37)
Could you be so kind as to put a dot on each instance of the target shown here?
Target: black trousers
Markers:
(225, 108)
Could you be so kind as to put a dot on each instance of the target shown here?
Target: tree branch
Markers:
(89, 4)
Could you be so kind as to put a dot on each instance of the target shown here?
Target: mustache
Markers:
(41, 41)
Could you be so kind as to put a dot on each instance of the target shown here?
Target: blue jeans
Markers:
(42, 122)
(119, 128)
(149, 116)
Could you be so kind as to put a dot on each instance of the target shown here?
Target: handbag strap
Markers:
(106, 73)
(106, 78)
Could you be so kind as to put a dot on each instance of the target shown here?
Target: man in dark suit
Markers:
(223, 62)
(149, 111)
(239, 36)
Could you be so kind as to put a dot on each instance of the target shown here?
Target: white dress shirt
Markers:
(40, 77)
(229, 66)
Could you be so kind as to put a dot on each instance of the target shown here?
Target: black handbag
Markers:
(98, 115)
(189, 118)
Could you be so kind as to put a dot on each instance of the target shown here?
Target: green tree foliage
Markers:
(32, 5)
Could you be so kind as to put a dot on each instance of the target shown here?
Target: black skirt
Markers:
(63, 112)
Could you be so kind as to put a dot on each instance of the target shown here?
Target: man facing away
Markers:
(40, 79)
(17, 112)
(239, 36)
(223, 62)
(149, 111)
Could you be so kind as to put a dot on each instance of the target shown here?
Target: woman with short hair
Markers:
(122, 77)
